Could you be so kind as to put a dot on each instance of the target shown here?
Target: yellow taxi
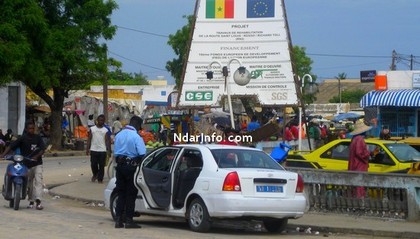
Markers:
(415, 143)
(388, 156)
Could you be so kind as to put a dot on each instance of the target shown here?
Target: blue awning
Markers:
(397, 98)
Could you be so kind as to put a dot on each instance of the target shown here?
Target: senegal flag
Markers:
(219, 8)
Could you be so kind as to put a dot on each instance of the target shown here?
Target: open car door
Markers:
(154, 176)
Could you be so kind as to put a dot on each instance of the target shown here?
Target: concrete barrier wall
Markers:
(385, 195)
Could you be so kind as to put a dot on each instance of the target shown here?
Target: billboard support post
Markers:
(241, 77)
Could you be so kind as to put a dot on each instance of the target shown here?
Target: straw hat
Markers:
(360, 127)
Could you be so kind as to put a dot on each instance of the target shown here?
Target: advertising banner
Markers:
(230, 32)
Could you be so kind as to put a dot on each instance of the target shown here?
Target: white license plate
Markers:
(269, 188)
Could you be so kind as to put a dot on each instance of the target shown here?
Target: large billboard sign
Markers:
(251, 31)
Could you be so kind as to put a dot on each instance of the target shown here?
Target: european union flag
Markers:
(260, 8)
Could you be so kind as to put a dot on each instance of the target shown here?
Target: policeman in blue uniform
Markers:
(129, 149)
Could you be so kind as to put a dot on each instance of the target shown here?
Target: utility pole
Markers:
(394, 56)
(411, 62)
(105, 89)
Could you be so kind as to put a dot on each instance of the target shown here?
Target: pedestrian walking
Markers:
(129, 150)
(31, 145)
(116, 126)
(98, 146)
(359, 153)
(315, 134)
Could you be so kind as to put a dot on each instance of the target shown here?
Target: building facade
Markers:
(12, 108)
(395, 103)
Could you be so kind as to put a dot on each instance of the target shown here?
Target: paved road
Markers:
(75, 173)
(64, 218)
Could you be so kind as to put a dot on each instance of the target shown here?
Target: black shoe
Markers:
(119, 223)
(131, 224)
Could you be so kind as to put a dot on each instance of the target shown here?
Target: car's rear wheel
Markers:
(275, 225)
(198, 216)
(113, 205)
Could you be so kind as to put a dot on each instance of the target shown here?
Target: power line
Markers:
(362, 64)
(144, 32)
(398, 56)
(128, 59)
(349, 56)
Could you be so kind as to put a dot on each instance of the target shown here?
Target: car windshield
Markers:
(242, 158)
(404, 152)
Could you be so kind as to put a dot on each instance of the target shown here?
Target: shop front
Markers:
(397, 110)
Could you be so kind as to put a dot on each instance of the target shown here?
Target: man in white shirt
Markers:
(98, 146)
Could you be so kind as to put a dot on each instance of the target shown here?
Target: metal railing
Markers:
(373, 194)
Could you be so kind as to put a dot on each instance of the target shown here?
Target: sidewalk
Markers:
(84, 190)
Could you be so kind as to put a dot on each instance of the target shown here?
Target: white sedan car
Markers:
(202, 183)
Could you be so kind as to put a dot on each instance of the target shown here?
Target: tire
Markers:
(275, 225)
(18, 195)
(198, 216)
(113, 205)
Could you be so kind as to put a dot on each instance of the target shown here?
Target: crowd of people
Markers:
(129, 149)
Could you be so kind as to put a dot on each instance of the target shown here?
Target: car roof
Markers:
(372, 140)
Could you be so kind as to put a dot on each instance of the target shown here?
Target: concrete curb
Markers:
(356, 231)
(76, 198)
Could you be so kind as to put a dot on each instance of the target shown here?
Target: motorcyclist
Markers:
(31, 145)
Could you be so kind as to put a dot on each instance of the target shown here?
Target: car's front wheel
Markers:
(198, 216)
(275, 225)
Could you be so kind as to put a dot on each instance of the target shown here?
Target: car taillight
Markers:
(300, 184)
(232, 182)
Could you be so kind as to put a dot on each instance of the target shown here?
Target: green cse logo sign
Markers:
(198, 95)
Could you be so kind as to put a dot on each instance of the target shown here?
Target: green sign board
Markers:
(198, 95)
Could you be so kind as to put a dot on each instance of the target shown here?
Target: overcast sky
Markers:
(339, 35)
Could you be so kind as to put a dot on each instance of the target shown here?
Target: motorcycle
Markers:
(16, 180)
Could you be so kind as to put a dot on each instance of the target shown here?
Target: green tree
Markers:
(302, 64)
(349, 96)
(180, 43)
(60, 48)
(340, 77)
(118, 77)
(22, 27)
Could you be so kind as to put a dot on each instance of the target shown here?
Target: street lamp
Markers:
(241, 77)
(339, 94)
(310, 90)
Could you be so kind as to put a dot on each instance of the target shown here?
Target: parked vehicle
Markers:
(15, 180)
(202, 183)
(413, 142)
(388, 156)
